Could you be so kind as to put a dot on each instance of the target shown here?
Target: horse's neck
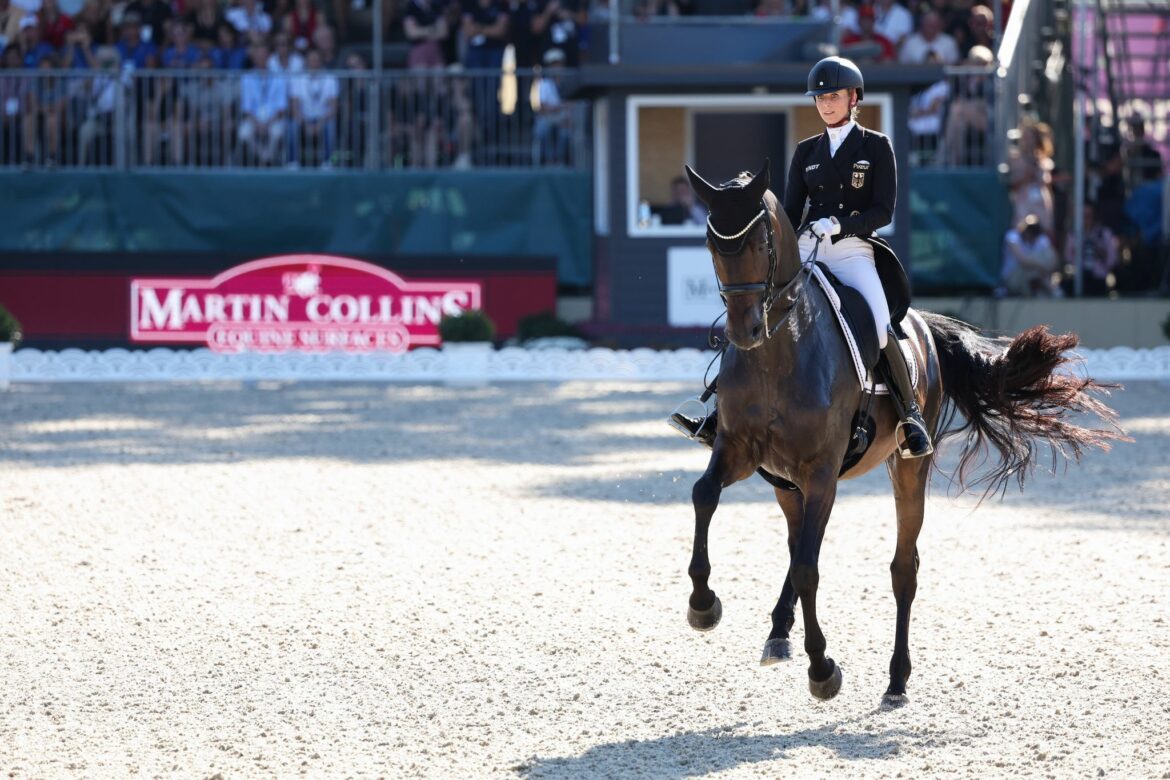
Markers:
(799, 339)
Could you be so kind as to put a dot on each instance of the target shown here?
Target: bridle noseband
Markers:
(767, 287)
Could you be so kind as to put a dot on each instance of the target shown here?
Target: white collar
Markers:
(837, 134)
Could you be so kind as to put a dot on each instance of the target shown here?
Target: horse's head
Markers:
(740, 235)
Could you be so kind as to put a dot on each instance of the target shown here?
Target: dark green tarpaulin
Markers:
(497, 213)
(957, 223)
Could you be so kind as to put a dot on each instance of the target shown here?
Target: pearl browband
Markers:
(740, 234)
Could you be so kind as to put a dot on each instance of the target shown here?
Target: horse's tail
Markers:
(1015, 397)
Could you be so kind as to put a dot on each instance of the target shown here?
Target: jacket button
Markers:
(840, 186)
(840, 205)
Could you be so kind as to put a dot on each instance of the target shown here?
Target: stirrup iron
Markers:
(916, 424)
(689, 425)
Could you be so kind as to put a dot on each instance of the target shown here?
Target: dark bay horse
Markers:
(788, 393)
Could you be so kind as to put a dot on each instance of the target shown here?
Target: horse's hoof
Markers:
(892, 701)
(828, 688)
(707, 619)
(775, 651)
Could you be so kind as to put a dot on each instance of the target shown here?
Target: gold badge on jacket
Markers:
(860, 169)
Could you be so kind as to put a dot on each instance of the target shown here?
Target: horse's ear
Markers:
(703, 190)
(760, 182)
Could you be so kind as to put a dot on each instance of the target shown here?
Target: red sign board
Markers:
(298, 302)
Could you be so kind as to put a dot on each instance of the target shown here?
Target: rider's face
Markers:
(833, 106)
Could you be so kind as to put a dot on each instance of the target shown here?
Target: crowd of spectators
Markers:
(286, 105)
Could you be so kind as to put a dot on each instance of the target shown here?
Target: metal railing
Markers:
(203, 119)
(952, 123)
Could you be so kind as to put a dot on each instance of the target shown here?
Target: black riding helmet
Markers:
(832, 74)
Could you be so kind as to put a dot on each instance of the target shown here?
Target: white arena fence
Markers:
(511, 364)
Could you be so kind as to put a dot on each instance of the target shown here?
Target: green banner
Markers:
(957, 223)
(477, 213)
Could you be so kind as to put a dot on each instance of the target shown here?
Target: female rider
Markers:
(847, 180)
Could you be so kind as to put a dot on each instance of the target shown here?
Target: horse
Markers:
(788, 399)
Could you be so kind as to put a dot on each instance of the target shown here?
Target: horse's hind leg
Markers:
(909, 478)
(705, 610)
(778, 648)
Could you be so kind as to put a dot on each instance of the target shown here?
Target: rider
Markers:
(848, 179)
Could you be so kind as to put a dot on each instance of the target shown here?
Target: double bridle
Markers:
(767, 288)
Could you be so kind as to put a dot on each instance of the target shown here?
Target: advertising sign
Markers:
(297, 302)
(692, 294)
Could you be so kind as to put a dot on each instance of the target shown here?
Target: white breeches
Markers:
(851, 261)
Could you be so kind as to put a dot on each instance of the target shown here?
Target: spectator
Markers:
(32, 48)
(250, 20)
(930, 39)
(868, 36)
(263, 108)
(968, 117)
(1029, 261)
(132, 49)
(683, 208)
(425, 26)
(1099, 253)
(79, 48)
(10, 16)
(557, 24)
(1143, 161)
(325, 41)
(462, 121)
(206, 22)
(525, 41)
(302, 23)
(927, 109)
(453, 13)
(485, 32)
(284, 59)
(203, 132)
(54, 24)
(980, 30)
(13, 88)
(181, 53)
(155, 16)
(95, 137)
(42, 118)
(893, 21)
(228, 53)
(95, 15)
(314, 110)
(1030, 168)
(355, 107)
(552, 125)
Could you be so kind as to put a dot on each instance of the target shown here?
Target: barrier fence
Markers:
(204, 119)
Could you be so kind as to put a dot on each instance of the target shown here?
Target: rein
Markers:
(791, 291)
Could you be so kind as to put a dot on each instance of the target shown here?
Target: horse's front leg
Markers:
(824, 676)
(704, 609)
(777, 648)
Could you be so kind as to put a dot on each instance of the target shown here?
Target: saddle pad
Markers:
(851, 340)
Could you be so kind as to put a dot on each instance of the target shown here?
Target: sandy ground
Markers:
(383, 581)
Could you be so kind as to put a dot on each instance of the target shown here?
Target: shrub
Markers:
(9, 327)
(545, 325)
(471, 325)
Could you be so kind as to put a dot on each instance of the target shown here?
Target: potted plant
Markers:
(548, 331)
(467, 343)
(9, 337)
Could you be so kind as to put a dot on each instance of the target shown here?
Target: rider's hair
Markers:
(853, 112)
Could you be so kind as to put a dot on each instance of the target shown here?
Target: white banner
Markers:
(692, 293)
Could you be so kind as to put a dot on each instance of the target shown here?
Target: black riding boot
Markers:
(915, 439)
(692, 420)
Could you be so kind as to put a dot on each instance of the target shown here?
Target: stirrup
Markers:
(689, 425)
(916, 426)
